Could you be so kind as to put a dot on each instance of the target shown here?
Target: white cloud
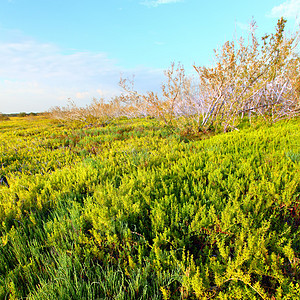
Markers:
(35, 76)
(155, 3)
(82, 95)
(288, 9)
(243, 26)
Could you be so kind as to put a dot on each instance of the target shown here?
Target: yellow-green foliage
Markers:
(132, 211)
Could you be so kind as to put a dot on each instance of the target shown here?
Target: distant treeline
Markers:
(20, 114)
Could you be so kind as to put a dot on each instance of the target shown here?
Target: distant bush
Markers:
(3, 117)
(98, 111)
(22, 114)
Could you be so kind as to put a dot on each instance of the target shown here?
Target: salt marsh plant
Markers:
(142, 215)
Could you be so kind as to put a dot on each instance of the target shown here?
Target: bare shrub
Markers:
(249, 78)
(252, 77)
(98, 111)
(69, 112)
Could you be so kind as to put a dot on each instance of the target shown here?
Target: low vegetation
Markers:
(135, 211)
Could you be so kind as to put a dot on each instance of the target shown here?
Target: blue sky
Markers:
(52, 50)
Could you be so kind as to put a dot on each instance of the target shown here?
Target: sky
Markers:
(55, 50)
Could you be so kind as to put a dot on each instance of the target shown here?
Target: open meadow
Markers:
(134, 210)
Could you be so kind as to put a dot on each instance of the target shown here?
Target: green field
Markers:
(134, 210)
